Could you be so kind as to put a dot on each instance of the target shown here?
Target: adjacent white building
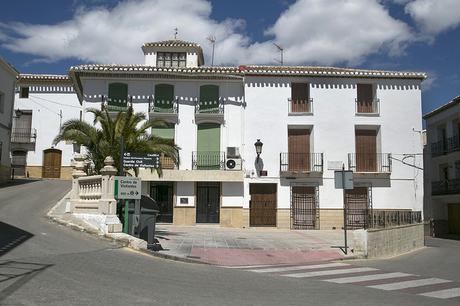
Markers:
(42, 103)
(7, 84)
(442, 168)
(311, 121)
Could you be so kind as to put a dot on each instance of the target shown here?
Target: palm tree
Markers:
(103, 137)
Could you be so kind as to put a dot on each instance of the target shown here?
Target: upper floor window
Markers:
(24, 92)
(171, 59)
(300, 101)
(366, 103)
(209, 99)
(118, 96)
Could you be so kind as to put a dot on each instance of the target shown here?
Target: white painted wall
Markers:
(232, 194)
(46, 102)
(185, 190)
(334, 122)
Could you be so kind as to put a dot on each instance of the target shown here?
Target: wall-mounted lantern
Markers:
(258, 144)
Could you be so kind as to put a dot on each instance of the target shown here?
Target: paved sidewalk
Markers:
(212, 244)
(256, 246)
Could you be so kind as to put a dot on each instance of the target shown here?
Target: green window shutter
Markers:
(166, 132)
(208, 146)
(164, 97)
(209, 98)
(118, 95)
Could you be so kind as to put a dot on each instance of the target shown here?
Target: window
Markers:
(24, 93)
(209, 99)
(300, 98)
(164, 98)
(118, 96)
(365, 99)
(2, 102)
(171, 59)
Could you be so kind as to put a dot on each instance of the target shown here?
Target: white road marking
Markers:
(309, 267)
(357, 279)
(249, 267)
(443, 294)
(329, 272)
(410, 284)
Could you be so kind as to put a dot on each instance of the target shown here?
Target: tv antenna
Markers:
(280, 49)
(176, 31)
(212, 40)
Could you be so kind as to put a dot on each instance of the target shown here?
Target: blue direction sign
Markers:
(141, 160)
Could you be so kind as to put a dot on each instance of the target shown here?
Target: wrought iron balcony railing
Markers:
(369, 162)
(445, 146)
(445, 187)
(164, 106)
(300, 106)
(210, 107)
(301, 162)
(214, 160)
(22, 135)
(367, 107)
(114, 105)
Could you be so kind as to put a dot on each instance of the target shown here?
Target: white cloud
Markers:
(434, 16)
(311, 31)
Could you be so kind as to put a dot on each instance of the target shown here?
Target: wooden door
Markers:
(162, 193)
(300, 98)
(357, 207)
(365, 98)
(51, 163)
(207, 202)
(262, 206)
(453, 218)
(303, 207)
(366, 150)
(299, 150)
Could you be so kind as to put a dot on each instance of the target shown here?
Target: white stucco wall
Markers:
(46, 102)
(333, 126)
(7, 83)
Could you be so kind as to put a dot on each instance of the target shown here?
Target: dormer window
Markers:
(171, 59)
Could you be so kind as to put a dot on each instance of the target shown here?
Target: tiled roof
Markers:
(448, 105)
(172, 43)
(144, 69)
(43, 77)
(327, 72)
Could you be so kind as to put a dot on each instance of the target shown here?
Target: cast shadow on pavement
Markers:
(11, 237)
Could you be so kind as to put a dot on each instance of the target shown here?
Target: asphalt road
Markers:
(43, 263)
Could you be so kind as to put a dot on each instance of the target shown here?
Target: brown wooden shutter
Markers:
(365, 97)
(300, 97)
(366, 150)
(299, 149)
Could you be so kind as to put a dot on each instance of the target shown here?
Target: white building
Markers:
(442, 168)
(42, 104)
(7, 82)
(311, 120)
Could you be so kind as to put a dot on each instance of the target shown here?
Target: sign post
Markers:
(344, 180)
(127, 188)
(140, 160)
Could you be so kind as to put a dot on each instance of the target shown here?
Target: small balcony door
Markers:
(164, 98)
(166, 132)
(366, 150)
(365, 98)
(299, 150)
(208, 147)
(300, 98)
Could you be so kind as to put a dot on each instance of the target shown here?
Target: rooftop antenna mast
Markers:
(280, 49)
(212, 40)
(176, 31)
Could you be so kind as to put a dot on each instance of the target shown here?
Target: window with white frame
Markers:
(171, 59)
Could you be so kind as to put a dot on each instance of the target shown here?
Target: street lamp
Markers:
(258, 144)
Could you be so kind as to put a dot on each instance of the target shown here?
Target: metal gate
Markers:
(207, 202)
(358, 205)
(304, 207)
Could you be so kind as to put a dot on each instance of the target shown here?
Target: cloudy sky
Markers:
(48, 36)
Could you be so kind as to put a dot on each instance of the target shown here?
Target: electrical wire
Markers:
(51, 101)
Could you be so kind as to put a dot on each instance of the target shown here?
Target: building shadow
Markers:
(16, 182)
(11, 237)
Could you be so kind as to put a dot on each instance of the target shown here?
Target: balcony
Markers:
(167, 163)
(300, 107)
(23, 139)
(446, 146)
(367, 108)
(300, 164)
(115, 106)
(208, 160)
(165, 110)
(209, 111)
(445, 187)
(369, 163)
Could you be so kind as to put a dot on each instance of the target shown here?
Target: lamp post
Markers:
(258, 144)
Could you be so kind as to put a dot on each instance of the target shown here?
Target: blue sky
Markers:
(49, 36)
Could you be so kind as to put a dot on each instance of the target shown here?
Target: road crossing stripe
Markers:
(249, 267)
(443, 294)
(330, 272)
(357, 279)
(308, 267)
(410, 284)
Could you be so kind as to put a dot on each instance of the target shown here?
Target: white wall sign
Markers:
(334, 165)
(127, 188)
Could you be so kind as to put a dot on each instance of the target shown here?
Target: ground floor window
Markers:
(304, 207)
(358, 206)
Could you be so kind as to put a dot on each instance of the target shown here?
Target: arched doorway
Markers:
(51, 163)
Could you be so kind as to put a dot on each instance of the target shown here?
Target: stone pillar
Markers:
(78, 167)
(108, 204)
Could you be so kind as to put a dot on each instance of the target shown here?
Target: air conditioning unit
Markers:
(233, 152)
(233, 164)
